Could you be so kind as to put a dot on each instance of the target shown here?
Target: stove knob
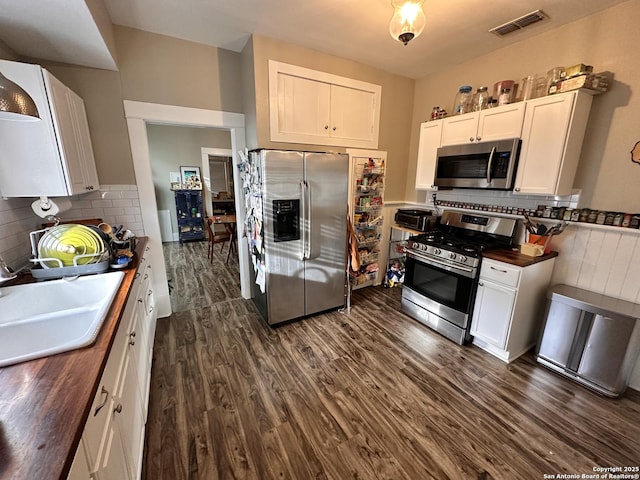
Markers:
(462, 258)
(437, 251)
(452, 256)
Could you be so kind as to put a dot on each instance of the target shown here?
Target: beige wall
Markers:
(6, 53)
(160, 69)
(608, 41)
(156, 69)
(249, 96)
(395, 111)
(101, 91)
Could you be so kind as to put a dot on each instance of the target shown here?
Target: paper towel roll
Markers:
(43, 207)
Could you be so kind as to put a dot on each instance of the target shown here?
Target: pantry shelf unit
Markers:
(366, 210)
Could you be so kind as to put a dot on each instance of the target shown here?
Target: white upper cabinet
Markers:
(430, 133)
(552, 136)
(497, 123)
(52, 156)
(311, 107)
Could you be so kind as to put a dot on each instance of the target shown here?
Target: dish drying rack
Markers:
(41, 272)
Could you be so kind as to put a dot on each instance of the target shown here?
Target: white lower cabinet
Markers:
(113, 439)
(509, 307)
(492, 315)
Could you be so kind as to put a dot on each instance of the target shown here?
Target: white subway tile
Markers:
(129, 194)
(122, 202)
(125, 219)
(113, 211)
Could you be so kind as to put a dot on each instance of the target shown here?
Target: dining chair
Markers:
(220, 237)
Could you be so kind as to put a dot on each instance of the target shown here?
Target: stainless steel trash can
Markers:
(591, 338)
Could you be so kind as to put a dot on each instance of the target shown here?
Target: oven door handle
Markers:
(493, 150)
(464, 271)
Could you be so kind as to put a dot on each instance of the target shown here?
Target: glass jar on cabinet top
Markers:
(462, 100)
(481, 99)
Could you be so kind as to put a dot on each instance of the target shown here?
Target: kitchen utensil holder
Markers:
(541, 240)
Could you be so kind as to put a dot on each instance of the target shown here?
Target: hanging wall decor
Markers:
(635, 153)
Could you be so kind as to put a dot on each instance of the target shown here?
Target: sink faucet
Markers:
(5, 273)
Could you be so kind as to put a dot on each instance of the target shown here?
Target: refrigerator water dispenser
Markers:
(286, 220)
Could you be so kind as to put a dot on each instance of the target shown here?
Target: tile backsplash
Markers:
(114, 204)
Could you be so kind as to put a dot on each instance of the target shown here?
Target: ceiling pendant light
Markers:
(407, 21)
(15, 103)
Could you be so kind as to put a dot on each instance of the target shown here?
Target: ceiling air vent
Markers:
(518, 23)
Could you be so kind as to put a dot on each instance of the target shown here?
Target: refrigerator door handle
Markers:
(307, 254)
(303, 218)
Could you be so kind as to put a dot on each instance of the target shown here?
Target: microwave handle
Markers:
(493, 150)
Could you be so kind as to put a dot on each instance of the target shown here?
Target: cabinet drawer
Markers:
(500, 273)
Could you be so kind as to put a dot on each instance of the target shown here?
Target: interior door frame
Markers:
(138, 115)
(206, 172)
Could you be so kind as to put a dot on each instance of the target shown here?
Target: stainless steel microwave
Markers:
(490, 165)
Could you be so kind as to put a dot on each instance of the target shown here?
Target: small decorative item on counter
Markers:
(635, 221)
(593, 216)
(626, 220)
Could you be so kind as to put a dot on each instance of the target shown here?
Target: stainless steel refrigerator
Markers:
(302, 248)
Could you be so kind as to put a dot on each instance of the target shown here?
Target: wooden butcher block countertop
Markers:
(44, 403)
(514, 257)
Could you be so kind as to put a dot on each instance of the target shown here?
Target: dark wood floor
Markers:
(368, 395)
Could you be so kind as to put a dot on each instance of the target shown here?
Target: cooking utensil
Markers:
(528, 225)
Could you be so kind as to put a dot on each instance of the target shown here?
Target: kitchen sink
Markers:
(41, 319)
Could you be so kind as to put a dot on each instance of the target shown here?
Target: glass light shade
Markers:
(15, 103)
(408, 20)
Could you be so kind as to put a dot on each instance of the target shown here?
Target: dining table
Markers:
(229, 222)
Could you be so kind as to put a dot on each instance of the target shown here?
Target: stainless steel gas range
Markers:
(443, 266)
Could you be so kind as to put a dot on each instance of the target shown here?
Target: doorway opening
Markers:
(138, 115)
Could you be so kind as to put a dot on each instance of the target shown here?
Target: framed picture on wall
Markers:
(191, 178)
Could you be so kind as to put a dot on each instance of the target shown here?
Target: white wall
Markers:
(604, 260)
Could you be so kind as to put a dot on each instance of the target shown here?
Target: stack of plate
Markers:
(68, 242)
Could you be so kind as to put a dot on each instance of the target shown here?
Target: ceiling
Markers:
(456, 30)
